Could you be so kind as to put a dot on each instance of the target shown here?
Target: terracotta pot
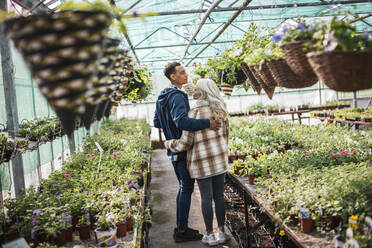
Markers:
(84, 232)
(129, 224)
(60, 240)
(241, 156)
(307, 225)
(121, 229)
(251, 179)
(69, 234)
(75, 221)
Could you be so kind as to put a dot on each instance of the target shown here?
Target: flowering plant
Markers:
(294, 30)
(340, 35)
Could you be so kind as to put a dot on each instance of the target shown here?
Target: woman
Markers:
(207, 156)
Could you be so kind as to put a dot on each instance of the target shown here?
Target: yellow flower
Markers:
(354, 217)
(282, 233)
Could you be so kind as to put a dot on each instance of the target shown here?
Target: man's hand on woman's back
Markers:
(215, 125)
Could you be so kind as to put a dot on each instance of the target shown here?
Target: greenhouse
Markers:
(174, 123)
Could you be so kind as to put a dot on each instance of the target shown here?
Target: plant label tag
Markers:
(18, 243)
(320, 209)
(99, 147)
(304, 213)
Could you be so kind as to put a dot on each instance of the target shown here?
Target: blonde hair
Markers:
(210, 92)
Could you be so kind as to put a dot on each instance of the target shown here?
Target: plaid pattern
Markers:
(206, 149)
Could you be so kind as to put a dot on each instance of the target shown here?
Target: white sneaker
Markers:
(222, 237)
(209, 239)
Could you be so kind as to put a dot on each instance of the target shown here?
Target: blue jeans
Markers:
(186, 187)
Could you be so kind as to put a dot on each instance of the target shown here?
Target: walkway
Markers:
(164, 188)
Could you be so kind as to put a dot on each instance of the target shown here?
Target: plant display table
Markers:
(264, 231)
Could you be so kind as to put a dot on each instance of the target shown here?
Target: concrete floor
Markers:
(164, 188)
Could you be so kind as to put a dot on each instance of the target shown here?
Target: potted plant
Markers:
(342, 57)
(84, 226)
(307, 224)
(295, 36)
(105, 231)
(55, 55)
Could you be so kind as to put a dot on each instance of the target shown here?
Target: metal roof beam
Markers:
(32, 5)
(235, 15)
(181, 45)
(211, 8)
(272, 6)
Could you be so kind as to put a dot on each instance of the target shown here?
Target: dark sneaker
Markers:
(176, 230)
(187, 235)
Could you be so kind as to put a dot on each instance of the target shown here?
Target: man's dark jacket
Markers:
(171, 111)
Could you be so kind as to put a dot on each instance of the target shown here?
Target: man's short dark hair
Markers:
(170, 68)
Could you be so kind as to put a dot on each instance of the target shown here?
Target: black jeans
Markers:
(212, 188)
(186, 187)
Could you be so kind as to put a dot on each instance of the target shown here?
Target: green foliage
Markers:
(139, 85)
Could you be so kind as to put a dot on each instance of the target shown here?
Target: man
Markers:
(171, 111)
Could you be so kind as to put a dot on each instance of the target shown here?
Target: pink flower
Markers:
(306, 157)
(330, 150)
(341, 150)
(66, 175)
(346, 154)
(286, 159)
(116, 132)
(352, 149)
(334, 155)
(91, 155)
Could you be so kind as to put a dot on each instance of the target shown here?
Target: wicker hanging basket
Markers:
(265, 74)
(285, 77)
(343, 71)
(269, 90)
(227, 89)
(252, 80)
(297, 61)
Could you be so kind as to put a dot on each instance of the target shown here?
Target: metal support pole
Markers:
(355, 99)
(236, 14)
(320, 92)
(71, 143)
(11, 104)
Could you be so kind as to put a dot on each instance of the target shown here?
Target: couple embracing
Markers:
(196, 142)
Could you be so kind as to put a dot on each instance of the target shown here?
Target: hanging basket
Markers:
(61, 50)
(188, 88)
(227, 89)
(265, 74)
(252, 80)
(285, 77)
(343, 71)
(296, 58)
(269, 90)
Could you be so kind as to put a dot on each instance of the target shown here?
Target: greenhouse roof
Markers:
(159, 39)
(156, 40)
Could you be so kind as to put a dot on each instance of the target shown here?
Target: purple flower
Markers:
(301, 26)
(277, 37)
(57, 193)
(36, 211)
(366, 33)
(41, 188)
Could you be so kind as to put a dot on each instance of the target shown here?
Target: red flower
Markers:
(71, 165)
(66, 175)
(352, 149)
